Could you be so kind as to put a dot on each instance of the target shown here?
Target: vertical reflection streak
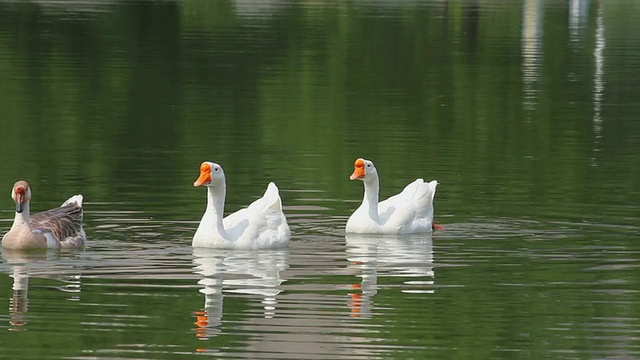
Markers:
(531, 53)
(598, 82)
(578, 15)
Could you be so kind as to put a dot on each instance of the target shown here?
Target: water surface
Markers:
(525, 112)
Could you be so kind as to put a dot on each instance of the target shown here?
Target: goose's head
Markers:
(211, 174)
(21, 194)
(363, 170)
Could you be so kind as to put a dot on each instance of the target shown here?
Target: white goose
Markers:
(58, 228)
(261, 225)
(408, 212)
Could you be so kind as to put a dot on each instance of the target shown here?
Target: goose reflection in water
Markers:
(35, 264)
(249, 272)
(388, 256)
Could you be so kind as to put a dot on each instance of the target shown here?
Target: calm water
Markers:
(526, 112)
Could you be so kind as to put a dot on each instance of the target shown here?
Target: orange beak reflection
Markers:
(205, 175)
(358, 171)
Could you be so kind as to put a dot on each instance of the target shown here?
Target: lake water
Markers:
(526, 112)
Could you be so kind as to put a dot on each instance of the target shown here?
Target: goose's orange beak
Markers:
(358, 171)
(205, 175)
(19, 199)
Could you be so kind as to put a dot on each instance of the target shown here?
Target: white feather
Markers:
(75, 199)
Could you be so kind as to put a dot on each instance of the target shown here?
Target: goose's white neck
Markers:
(22, 219)
(370, 200)
(215, 208)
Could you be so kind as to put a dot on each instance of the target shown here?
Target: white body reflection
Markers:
(237, 271)
(25, 265)
(371, 257)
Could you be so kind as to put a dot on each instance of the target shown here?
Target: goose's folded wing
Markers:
(62, 222)
(422, 197)
(415, 201)
(402, 199)
(270, 202)
(265, 213)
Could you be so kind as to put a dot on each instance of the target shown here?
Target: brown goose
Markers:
(58, 228)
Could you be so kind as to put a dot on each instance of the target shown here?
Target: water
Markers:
(525, 112)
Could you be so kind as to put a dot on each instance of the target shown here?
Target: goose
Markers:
(261, 225)
(58, 228)
(408, 212)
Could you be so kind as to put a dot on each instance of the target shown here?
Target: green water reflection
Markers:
(293, 93)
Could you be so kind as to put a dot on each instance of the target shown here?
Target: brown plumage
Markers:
(57, 228)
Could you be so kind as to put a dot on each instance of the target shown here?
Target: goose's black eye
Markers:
(217, 169)
(368, 165)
